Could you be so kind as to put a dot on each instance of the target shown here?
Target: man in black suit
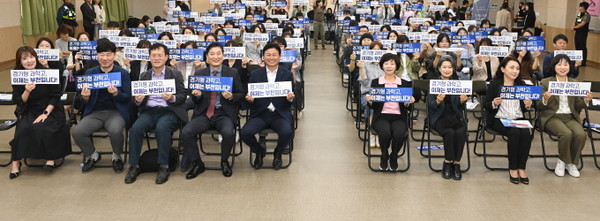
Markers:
(213, 110)
(163, 113)
(273, 112)
(87, 10)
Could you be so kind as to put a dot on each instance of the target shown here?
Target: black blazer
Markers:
(493, 91)
(229, 106)
(88, 14)
(282, 105)
(378, 106)
(179, 105)
(136, 69)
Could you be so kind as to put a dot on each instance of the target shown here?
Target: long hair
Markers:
(22, 51)
(37, 45)
(500, 74)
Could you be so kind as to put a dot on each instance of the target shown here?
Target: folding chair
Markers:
(404, 150)
(7, 124)
(479, 88)
(178, 139)
(285, 152)
(423, 87)
(233, 153)
(595, 88)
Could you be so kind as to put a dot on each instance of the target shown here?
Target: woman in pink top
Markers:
(389, 118)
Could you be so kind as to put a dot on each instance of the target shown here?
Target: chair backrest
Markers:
(252, 67)
(480, 87)
(595, 86)
(421, 85)
(6, 98)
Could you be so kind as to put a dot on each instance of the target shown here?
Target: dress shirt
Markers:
(271, 76)
(218, 101)
(157, 100)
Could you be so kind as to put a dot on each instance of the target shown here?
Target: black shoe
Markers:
(90, 164)
(117, 165)
(258, 161)
(394, 163)
(457, 174)
(13, 175)
(163, 175)
(197, 168)
(227, 172)
(49, 167)
(132, 174)
(524, 180)
(383, 164)
(277, 161)
(514, 180)
(447, 170)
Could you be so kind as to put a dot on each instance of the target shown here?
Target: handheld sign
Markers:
(429, 38)
(437, 8)
(346, 2)
(500, 40)
(137, 54)
(187, 54)
(530, 45)
(497, 51)
(48, 54)
(278, 3)
(234, 52)
(407, 47)
(373, 55)
(108, 33)
(356, 49)
(82, 45)
(399, 28)
(392, 21)
(275, 89)
(419, 21)
(99, 81)
(513, 35)
(38, 76)
(124, 41)
(400, 94)
(521, 92)
(350, 29)
(579, 89)
(260, 37)
(463, 39)
(232, 31)
(185, 38)
(153, 87)
(169, 43)
(574, 55)
(288, 56)
(149, 36)
(208, 83)
(295, 42)
(300, 2)
(448, 49)
(136, 31)
(414, 35)
(89, 55)
(203, 28)
(450, 87)
(256, 3)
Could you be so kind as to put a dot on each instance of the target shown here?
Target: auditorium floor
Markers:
(328, 179)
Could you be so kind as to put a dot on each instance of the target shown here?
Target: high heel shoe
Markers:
(514, 180)
(13, 175)
(524, 180)
(49, 167)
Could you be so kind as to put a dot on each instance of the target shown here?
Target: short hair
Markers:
(253, 28)
(288, 29)
(555, 61)
(157, 18)
(132, 22)
(214, 45)
(559, 37)
(364, 26)
(402, 39)
(37, 45)
(504, 5)
(585, 5)
(441, 37)
(64, 29)
(145, 18)
(188, 43)
(485, 21)
(168, 34)
(230, 22)
(220, 29)
(188, 28)
(530, 6)
(389, 57)
(156, 46)
(211, 34)
(143, 44)
(112, 24)
(84, 33)
(126, 32)
(486, 41)
(270, 46)
(280, 41)
(376, 43)
(105, 45)
(232, 43)
(367, 35)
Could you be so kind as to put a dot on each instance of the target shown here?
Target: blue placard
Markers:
(479, 34)
(185, 14)
(399, 94)
(148, 36)
(203, 28)
(425, 28)
(387, 2)
(189, 23)
(446, 23)
(407, 47)
(350, 29)
(464, 39)
(187, 54)
(382, 34)
(398, 2)
(521, 92)
(209, 14)
(298, 23)
(81, 45)
(534, 38)
(363, 4)
(392, 21)
(259, 18)
(243, 23)
(228, 7)
(357, 48)
(223, 39)
(414, 7)
(369, 16)
(99, 81)
(89, 55)
(344, 22)
(208, 83)
(488, 30)
(530, 45)
(288, 56)
(203, 44)
(278, 3)
(138, 31)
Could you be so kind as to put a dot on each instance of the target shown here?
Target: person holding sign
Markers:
(408, 68)
(560, 116)
(253, 48)
(272, 112)
(389, 118)
(442, 43)
(46, 43)
(446, 116)
(519, 139)
(104, 109)
(161, 113)
(42, 131)
(484, 66)
(529, 63)
(560, 42)
(214, 110)
(368, 71)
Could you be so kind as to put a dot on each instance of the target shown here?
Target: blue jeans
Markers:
(164, 122)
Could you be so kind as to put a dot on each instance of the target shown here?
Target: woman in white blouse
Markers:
(519, 139)
(100, 18)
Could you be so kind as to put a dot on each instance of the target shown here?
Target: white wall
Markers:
(139, 8)
(11, 13)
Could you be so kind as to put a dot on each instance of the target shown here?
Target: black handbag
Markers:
(148, 160)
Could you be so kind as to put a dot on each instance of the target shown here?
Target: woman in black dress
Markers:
(41, 130)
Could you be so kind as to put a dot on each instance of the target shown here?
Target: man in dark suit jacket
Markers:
(104, 108)
(213, 110)
(87, 10)
(163, 113)
(273, 112)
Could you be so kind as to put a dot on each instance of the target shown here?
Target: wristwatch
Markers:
(45, 112)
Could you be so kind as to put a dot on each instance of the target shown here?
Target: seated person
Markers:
(273, 112)
(161, 113)
(213, 110)
(560, 42)
(104, 108)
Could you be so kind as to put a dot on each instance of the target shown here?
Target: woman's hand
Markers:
(497, 101)
(249, 98)
(44, 62)
(528, 103)
(29, 87)
(40, 118)
(547, 95)
(588, 97)
(360, 64)
(440, 98)
(412, 100)
(463, 98)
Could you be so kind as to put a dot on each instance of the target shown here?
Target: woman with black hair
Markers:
(484, 66)
(443, 42)
(529, 16)
(46, 43)
(254, 48)
(408, 68)
(389, 118)
(446, 116)
(529, 63)
(519, 139)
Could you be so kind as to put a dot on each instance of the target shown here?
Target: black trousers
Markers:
(220, 122)
(581, 44)
(90, 30)
(455, 136)
(391, 128)
(267, 119)
(519, 143)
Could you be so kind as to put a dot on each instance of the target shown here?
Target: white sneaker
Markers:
(372, 141)
(377, 141)
(220, 138)
(559, 170)
(345, 76)
(572, 169)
